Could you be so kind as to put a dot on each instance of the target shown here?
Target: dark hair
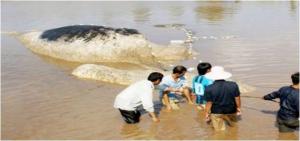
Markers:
(203, 67)
(295, 78)
(179, 69)
(154, 76)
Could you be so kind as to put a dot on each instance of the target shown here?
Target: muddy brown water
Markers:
(40, 99)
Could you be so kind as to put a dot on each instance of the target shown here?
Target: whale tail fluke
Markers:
(11, 33)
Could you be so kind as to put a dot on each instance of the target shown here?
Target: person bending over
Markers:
(139, 93)
(288, 114)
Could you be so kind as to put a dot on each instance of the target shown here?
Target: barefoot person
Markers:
(223, 99)
(288, 114)
(175, 84)
(200, 82)
(139, 93)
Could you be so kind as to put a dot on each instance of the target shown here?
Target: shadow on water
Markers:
(69, 66)
(259, 110)
(269, 112)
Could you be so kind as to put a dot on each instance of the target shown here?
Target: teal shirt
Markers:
(204, 81)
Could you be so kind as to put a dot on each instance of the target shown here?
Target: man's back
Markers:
(135, 95)
(222, 95)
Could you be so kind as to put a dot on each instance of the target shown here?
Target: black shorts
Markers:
(130, 117)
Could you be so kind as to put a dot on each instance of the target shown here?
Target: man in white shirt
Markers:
(139, 93)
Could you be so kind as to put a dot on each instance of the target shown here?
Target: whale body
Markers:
(96, 44)
(90, 44)
(127, 77)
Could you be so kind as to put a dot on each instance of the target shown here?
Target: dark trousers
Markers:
(130, 117)
(287, 125)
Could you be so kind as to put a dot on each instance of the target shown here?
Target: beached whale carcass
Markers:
(92, 44)
(125, 77)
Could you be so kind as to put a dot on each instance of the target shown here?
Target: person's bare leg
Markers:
(200, 107)
(166, 100)
(193, 97)
(187, 93)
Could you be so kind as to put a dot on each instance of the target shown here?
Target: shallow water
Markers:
(256, 41)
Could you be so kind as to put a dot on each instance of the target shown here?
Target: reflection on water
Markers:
(229, 134)
(135, 132)
(41, 100)
(65, 65)
(141, 14)
(176, 11)
(214, 10)
(293, 6)
(290, 136)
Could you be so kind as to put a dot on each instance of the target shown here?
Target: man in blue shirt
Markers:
(173, 84)
(288, 114)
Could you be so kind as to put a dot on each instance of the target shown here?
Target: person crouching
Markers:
(288, 114)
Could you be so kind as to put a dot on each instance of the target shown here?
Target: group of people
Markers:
(209, 91)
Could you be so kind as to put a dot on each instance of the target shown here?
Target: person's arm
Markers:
(147, 101)
(272, 95)
(171, 89)
(184, 86)
(208, 109)
(193, 84)
(237, 99)
(238, 104)
(297, 104)
(184, 82)
(165, 87)
(208, 105)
